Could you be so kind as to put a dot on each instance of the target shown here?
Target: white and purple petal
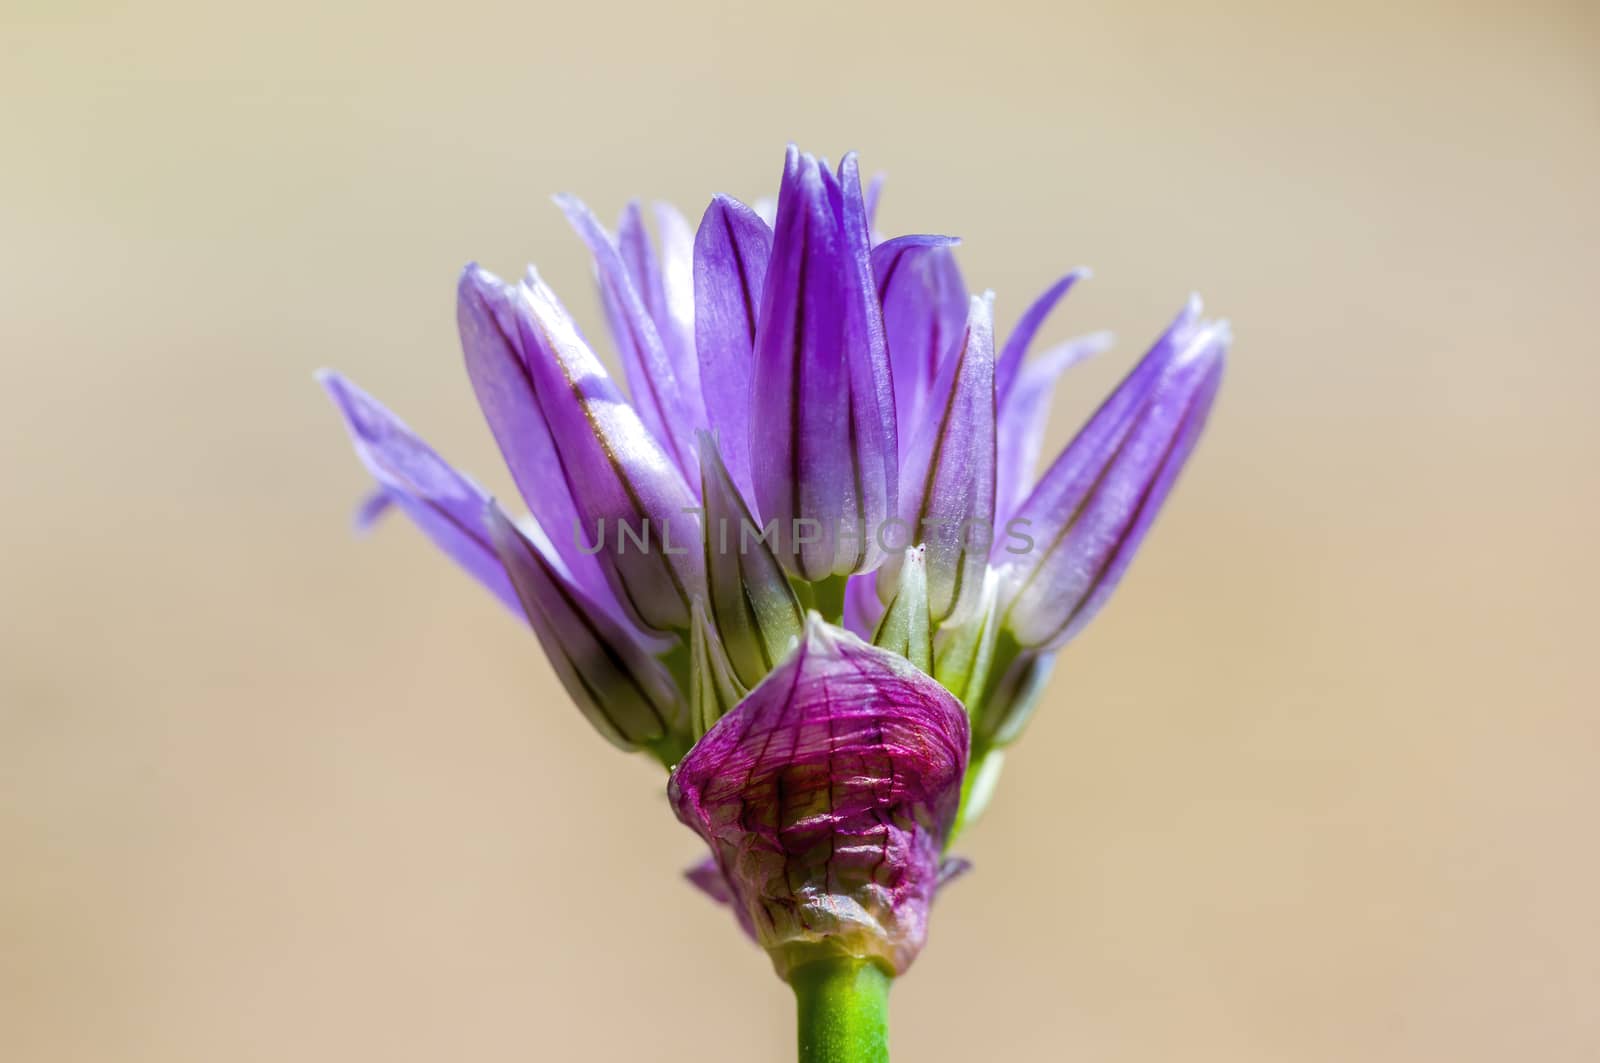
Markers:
(822, 425)
(445, 505)
(1009, 362)
(731, 250)
(636, 509)
(487, 313)
(947, 484)
(924, 301)
(607, 668)
(1092, 508)
(1023, 416)
(667, 408)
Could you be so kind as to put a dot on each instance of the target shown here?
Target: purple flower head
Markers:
(800, 548)
(826, 796)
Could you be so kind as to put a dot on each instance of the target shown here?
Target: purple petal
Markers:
(952, 868)
(372, 510)
(826, 797)
(947, 484)
(754, 608)
(1093, 507)
(635, 507)
(863, 609)
(447, 506)
(606, 668)
(924, 311)
(638, 257)
(1016, 349)
(873, 197)
(822, 449)
(876, 432)
(673, 309)
(731, 251)
(666, 409)
(487, 310)
(707, 877)
(1024, 416)
(666, 284)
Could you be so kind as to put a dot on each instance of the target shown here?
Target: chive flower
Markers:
(803, 554)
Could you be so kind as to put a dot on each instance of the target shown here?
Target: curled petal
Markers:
(924, 311)
(947, 483)
(731, 251)
(606, 668)
(447, 506)
(752, 605)
(1092, 508)
(822, 430)
(668, 411)
(636, 509)
(826, 797)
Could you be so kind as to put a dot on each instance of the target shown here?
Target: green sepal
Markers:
(752, 607)
(714, 688)
(906, 628)
(966, 654)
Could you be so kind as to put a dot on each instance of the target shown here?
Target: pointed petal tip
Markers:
(349, 398)
(578, 214)
(1067, 280)
(478, 283)
(1209, 342)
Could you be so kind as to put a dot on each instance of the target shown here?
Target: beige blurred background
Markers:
(1319, 786)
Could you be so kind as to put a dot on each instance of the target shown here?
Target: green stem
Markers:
(843, 1011)
(827, 598)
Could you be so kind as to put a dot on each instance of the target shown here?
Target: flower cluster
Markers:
(804, 558)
